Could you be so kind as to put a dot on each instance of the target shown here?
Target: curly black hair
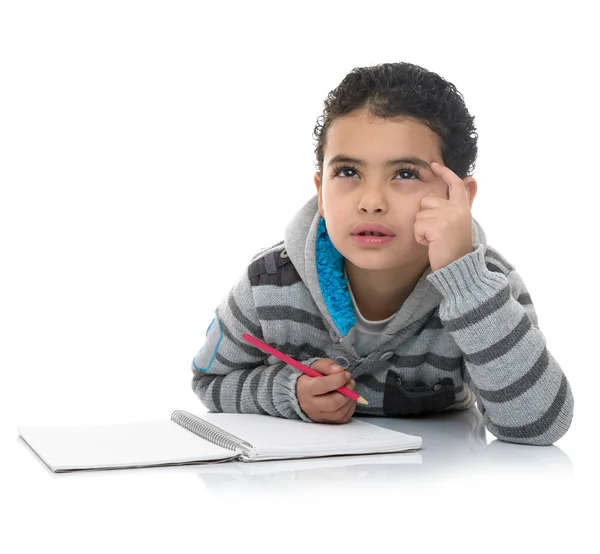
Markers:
(391, 90)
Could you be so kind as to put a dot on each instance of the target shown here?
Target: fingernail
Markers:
(335, 366)
(347, 374)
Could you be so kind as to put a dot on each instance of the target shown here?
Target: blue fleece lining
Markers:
(333, 283)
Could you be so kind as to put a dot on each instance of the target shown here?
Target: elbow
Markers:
(200, 385)
(540, 433)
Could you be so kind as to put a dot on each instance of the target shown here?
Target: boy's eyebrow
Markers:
(415, 160)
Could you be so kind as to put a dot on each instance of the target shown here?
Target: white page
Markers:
(109, 446)
(274, 437)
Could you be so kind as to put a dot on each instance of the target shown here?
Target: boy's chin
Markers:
(368, 262)
(379, 260)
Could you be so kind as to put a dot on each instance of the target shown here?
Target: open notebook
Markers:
(214, 437)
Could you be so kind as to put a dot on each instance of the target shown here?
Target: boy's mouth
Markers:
(372, 229)
(372, 240)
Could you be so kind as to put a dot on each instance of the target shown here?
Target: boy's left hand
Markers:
(444, 224)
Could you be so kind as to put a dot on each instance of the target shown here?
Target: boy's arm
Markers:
(522, 393)
(231, 375)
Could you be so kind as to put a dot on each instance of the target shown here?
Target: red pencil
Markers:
(301, 367)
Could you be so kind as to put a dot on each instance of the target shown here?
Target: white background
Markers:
(149, 149)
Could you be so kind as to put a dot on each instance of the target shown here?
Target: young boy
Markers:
(385, 283)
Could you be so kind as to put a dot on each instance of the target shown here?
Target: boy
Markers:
(385, 283)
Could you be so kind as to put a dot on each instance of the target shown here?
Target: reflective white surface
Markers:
(454, 444)
(458, 487)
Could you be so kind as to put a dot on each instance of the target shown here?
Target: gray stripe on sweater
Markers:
(371, 383)
(254, 382)
(238, 393)
(241, 344)
(215, 394)
(202, 380)
(494, 268)
(289, 313)
(499, 260)
(495, 303)
(233, 365)
(265, 395)
(300, 351)
(524, 299)
(231, 384)
(253, 329)
(503, 346)
(540, 425)
(521, 385)
(481, 312)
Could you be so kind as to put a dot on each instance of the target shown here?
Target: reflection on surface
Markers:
(454, 447)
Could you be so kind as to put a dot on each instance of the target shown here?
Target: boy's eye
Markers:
(410, 172)
(338, 172)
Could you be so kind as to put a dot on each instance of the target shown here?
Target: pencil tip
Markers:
(361, 400)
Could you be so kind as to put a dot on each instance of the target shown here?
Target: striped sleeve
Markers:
(521, 391)
(231, 375)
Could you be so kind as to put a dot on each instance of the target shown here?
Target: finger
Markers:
(420, 229)
(328, 383)
(350, 412)
(432, 200)
(341, 415)
(429, 213)
(336, 401)
(457, 189)
(329, 368)
(332, 401)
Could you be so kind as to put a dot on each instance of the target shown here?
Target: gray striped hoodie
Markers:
(466, 334)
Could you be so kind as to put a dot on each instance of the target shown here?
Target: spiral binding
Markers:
(209, 431)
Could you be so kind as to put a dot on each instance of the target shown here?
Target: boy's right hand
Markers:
(318, 396)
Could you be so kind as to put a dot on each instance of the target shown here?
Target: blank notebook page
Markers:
(129, 444)
(277, 436)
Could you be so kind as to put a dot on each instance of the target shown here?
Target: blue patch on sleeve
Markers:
(208, 352)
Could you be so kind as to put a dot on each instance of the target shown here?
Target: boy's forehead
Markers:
(361, 135)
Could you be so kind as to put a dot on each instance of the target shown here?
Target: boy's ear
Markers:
(317, 180)
(471, 185)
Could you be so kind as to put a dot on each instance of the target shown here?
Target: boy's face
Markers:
(372, 192)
